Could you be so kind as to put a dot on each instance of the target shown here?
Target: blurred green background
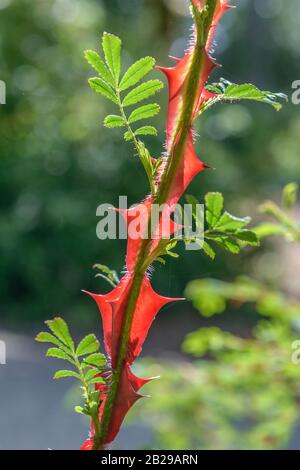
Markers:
(58, 163)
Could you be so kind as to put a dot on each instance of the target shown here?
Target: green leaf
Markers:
(113, 121)
(250, 92)
(97, 380)
(44, 337)
(227, 91)
(102, 87)
(193, 202)
(80, 410)
(142, 92)
(96, 359)
(248, 237)
(214, 205)
(112, 50)
(144, 112)
(96, 62)
(228, 244)
(128, 136)
(206, 298)
(230, 223)
(90, 374)
(60, 374)
(59, 354)
(146, 130)
(289, 195)
(136, 72)
(146, 160)
(269, 229)
(59, 327)
(208, 250)
(88, 345)
(108, 274)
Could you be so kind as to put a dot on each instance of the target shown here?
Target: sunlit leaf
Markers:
(146, 130)
(96, 359)
(59, 354)
(228, 222)
(102, 87)
(136, 72)
(112, 50)
(66, 373)
(142, 92)
(214, 203)
(113, 121)
(88, 345)
(144, 112)
(59, 327)
(96, 62)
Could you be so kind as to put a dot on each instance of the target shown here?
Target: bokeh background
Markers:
(58, 164)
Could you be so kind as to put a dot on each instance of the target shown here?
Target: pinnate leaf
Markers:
(59, 327)
(289, 195)
(208, 250)
(247, 236)
(227, 91)
(45, 337)
(228, 222)
(59, 354)
(102, 87)
(96, 62)
(113, 121)
(228, 244)
(146, 130)
(96, 359)
(142, 92)
(136, 72)
(97, 380)
(88, 345)
(251, 92)
(112, 50)
(90, 374)
(60, 374)
(214, 205)
(144, 112)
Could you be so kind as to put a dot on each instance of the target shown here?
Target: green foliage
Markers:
(109, 86)
(88, 362)
(142, 92)
(136, 72)
(144, 112)
(210, 296)
(242, 389)
(96, 62)
(106, 273)
(101, 87)
(289, 195)
(112, 50)
(146, 130)
(114, 121)
(284, 224)
(223, 229)
(226, 91)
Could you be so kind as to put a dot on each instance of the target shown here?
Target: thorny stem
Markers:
(174, 157)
